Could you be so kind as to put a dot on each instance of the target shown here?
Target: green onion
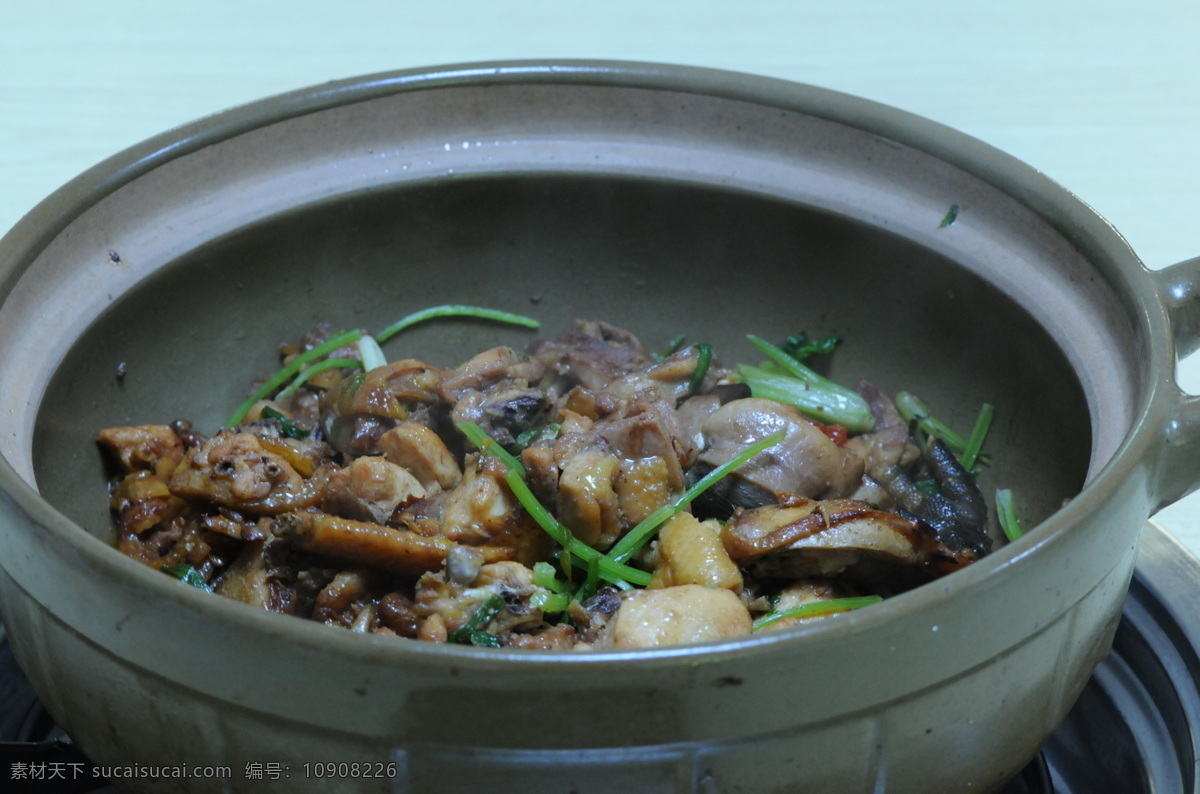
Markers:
(187, 574)
(550, 602)
(815, 608)
(1006, 510)
(912, 408)
(830, 402)
(930, 487)
(313, 369)
(488, 445)
(455, 310)
(591, 583)
(474, 632)
(671, 347)
(637, 537)
(703, 361)
(528, 438)
(283, 375)
(289, 427)
(582, 554)
(978, 433)
(372, 355)
(575, 551)
(831, 406)
(847, 406)
(544, 577)
(950, 217)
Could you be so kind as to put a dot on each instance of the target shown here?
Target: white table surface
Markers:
(1101, 95)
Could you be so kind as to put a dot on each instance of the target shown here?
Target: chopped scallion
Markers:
(187, 574)
(544, 577)
(486, 444)
(703, 362)
(295, 365)
(474, 631)
(287, 425)
(815, 608)
(1006, 511)
(637, 537)
(455, 310)
(983, 423)
(550, 602)
(308, 372)
(911, 408)
(672, 346)
(372, 355)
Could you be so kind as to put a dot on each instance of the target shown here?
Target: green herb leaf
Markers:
(455, 310)
(950, 217)
(533, 435)
(800, 347)
(474, 632)
(287, 425)
(815, 608)
(187, 574)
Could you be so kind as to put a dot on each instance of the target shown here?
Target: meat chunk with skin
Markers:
(670, 379)
(488, 369)
(676, 616)
(370, 489)
(361, 407)
(805, 538)
(494, 391)
(691, 552)
(397, 551)
(887, 444)
(643, 428)
(805, 463)
(423, 453)
(235, 470)
(479, 511)
(144, 447)
(587, 499)
(593, 354)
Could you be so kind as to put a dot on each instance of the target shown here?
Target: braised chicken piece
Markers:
(580, 494)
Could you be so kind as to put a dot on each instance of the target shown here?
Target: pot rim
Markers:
(1100, 243)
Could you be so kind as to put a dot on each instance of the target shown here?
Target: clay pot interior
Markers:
(656, 256)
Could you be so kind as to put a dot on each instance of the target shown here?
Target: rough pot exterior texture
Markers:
(663, 199)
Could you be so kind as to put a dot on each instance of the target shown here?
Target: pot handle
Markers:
(1179, 468)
